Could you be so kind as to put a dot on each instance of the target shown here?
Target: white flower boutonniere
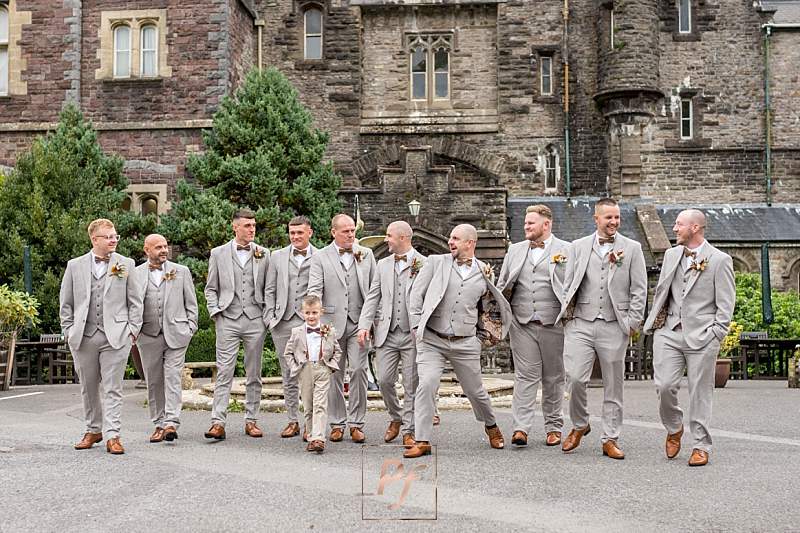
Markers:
(258, 254)
(700, 267)
(325, 330)
(119, 271)
(171, 275)
(488, 271)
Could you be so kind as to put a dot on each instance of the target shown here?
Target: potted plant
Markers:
(17, 309)
(729, 343)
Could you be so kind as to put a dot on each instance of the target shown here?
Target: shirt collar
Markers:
(698, 249)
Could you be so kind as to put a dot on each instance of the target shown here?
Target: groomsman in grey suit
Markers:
(445, 317)
(606, 291)
(286, 286)
(386, 310)
(100, 306)
(235, 295)
(532, 279)
(692, 309)
(341, 274)
(169, 321)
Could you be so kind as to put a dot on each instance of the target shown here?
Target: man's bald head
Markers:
(398, 237)
(462, 241)
(695, 216)
(401, 227)
(467, 232)
(690, 228)
(343, 230)
(156, 248)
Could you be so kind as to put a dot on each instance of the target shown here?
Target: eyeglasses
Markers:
(111, 237)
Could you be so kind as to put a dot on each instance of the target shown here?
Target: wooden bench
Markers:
(188, 368)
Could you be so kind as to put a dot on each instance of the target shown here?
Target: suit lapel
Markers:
(387, 276)
(614, 267)
(284, 264)
(362, 281)
(113, 259)
(332, 254)
(88, 272)
(256, 264)
(229, 258)
(447, 266)
(518, 257)
(707, 252)
(167, 284)
(580, 269)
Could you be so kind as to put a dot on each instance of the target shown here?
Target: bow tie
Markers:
(537, 244)
(312, 330)
(603, 241)
(152, 267)
(343, 251)
(242, 247)
(467, 262)
(101, 259)
(398, 258)
(295, 251)
(689, 253)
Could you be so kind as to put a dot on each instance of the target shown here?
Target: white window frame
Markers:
(611, 26)
(551, 152)
(433, 71)
(546, 73)
(4, 52)
(116, 51)
(142, 50)
(687, 119)
(429, 44)
(411, 72)
(687, 4)
(306, 35)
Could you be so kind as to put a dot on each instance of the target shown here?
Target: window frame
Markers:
(611, 26)
(551, 152)
(321, 34)
(412, 72)
(430, 43)
(686, 119)
(142, 28)
(688, 5)
(115, 51)
(549, 59)
(433, 51)
(4, 46)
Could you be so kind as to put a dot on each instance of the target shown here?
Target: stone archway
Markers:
(425, 241)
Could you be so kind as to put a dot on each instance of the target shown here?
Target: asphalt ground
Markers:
(272, 484)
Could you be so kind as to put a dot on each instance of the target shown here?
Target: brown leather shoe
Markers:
(495, 437)
(291, 430)
(305, 434)
(170, 433)
(357, 435)
(216, 432)
(673, 445)
(408, 440)
(89, 440)
(610, 449)
(114, 446)
(519, 438)
(418, 450)
(310, 447)
(436, 420)
(337, 434)
(574, 438)
(157, 436)
(393, 431)
(698, 458)
(553, 438)
(318, 446)
(252, 430)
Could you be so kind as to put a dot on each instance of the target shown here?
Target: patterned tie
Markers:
(462, 262)
(312, 330)
(152, 267)
(537, 244)
(603, 241)
(343, 251)
(101, 259)
(295, 251)
(242, 247)
(689, 253)
(398, 258)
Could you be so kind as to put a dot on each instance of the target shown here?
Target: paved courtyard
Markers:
(272, 484)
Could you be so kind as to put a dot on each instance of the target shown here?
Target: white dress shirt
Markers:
(242, 255)
(605, 248)
(345, 259)
(537, 253)
(157, 276)
(100, 269)
(466, 271)
(298, 259)
(687, 261)
(313, 342)
(399, 266)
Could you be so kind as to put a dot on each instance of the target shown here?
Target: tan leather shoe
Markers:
(673, 445)
(610, 449)
(170, 433)
(698, 458)
(89, 440)
(418, 450)
(436, 420)
(157, 436)
(408, 440)
(291, 430)
(574, 438)
(114, 446)
(519, 438)
(553, 438)
(252, 430)
(357, 435)
(305, 434)
(216, 432)
(393, 431)
(495, 437)
(337, 434)
(318, 446)
(310, 447)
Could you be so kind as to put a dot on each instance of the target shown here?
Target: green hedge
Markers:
(785, 307)
(203, 349)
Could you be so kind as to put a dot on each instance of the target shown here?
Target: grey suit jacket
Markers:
(296, 354)
(220, 285)
(627, 283)
(276, 287)
(122, 300)
(180, 303)
(517, 258)
(431, 285)
(708, 301)
(377, 308)
(327, 281)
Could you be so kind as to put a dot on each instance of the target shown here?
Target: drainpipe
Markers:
(260, 25)
(565, 59)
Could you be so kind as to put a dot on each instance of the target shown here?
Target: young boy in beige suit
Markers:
(313, 354)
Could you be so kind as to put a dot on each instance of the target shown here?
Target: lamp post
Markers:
(413, 208)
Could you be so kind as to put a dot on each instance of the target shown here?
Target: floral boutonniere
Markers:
(559, 259)
(169, 276)
(359, 255)
(258, 254)
(416, 266)
(700, 267)
(488, 271)
(119, 271)
(615, 258)
(325, 330)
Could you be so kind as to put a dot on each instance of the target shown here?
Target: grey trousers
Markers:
(163, 367)
(315, 381)
(465, 356)
(538, 353)
(100, 365)
(398, 348)
(251, 332)
(291, 390)
(583, 340)
(671, 356)
(356, 358)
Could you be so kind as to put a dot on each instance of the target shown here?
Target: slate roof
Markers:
(742, 223)
(786, 11)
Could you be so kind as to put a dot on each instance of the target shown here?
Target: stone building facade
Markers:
(470, 107)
